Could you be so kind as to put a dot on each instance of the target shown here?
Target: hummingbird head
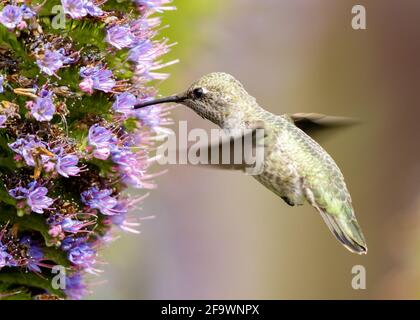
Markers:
(214, 97)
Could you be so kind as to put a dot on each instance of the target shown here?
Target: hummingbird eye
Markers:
(198, 93)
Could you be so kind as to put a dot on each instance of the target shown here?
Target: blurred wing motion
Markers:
(226, 146)
(317, 125)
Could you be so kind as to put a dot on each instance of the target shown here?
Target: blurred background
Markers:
(222, 235)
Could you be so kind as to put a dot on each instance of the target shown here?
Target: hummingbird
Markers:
(296, 167)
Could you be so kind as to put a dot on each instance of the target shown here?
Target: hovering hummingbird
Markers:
(296, 167)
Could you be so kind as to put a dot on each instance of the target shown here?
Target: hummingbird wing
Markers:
(223, 153)
(318, 125)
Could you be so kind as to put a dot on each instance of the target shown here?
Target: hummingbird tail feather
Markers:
(347, 231)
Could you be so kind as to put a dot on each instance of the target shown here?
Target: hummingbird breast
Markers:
(280, 174)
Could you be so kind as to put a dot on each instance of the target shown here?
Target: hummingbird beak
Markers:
(175, 99)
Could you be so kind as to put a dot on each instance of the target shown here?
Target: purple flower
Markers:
(103, 81)
(141, 51)
(35, 196)
(95, 78)
(37, 199)
(93, 9)
(67, 165)
(120, 37)
(1, 84)
(34, 254)
(142, 28)
(75, 8)
(50, 61)
(124, 103)
(3, 120)
(82, 256)
(19, 193)
(86, 85)
(130, 166)
(100, 136)
(27, 12)
(10, 16)
(26, 147)
(71, 242)
(102, 139)
(120, 219)
(121, 222)
(150, 116)
(102, 200)
(43, 109)
(6, 259)
(88, 72)
(72, 226)
(75, 289)
(156, 5)
(80, 8)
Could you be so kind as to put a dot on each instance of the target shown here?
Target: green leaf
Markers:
(32, 222)
(5, 197)
(29, 279)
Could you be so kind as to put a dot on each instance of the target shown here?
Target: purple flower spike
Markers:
(37, 199)
(73, 160)
(50, 62)
(124, 103)
(120, 37)
(67, 165)
(43, 109)
(10, 16)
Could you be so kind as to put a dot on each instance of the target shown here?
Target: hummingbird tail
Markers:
(347, 231)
